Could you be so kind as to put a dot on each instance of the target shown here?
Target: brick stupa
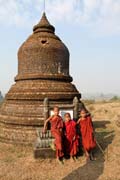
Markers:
(43, 72)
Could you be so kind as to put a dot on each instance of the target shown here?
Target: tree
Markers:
(115, 98)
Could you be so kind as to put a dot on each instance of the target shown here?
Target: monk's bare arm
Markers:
(92, 125)
(45, 124)
(78, 121)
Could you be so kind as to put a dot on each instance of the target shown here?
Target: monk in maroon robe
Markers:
(71, 138)
(56, 130)
(87, 133)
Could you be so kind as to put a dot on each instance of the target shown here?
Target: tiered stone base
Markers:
(17, 134)
(44, 153)
(19, 120)
(25, 107)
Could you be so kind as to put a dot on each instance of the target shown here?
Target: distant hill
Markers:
(98, 96)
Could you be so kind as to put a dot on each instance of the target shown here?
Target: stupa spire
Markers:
(44, 6)
(44, 25)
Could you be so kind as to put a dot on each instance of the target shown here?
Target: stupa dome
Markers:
(43, 55)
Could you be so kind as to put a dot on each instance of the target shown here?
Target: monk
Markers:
(56, 130)
(88, 140)
(71, 138)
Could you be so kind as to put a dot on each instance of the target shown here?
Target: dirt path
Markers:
(17, 163)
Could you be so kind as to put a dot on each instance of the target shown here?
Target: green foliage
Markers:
(115, 98)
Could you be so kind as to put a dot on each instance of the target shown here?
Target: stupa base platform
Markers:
(44, 153)
(43, 145)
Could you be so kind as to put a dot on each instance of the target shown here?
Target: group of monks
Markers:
(66, 136)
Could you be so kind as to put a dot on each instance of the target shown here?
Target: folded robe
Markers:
(71, 139)
(86, 128)
(56, 130)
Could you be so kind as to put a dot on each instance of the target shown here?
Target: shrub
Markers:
(115, 98)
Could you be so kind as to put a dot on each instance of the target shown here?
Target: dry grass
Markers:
(17, 162)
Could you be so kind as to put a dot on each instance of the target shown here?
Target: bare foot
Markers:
(92, 158)
(87, 159)
(53, 147)
(72, 159)
(59, 161)
(75, 158)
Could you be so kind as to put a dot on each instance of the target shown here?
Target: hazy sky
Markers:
(89, 28)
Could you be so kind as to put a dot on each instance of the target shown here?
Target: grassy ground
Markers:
(17, 162)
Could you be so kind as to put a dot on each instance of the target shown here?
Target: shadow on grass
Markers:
(104, 136)
(93, 169)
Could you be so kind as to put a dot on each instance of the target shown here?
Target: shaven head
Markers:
(67, 116)
(56, 110)
(83, 113)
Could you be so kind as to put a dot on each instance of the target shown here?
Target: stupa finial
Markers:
(44, 6)
(44, 25)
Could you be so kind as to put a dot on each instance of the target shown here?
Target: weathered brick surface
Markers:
(43, 72)
(17, 134)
